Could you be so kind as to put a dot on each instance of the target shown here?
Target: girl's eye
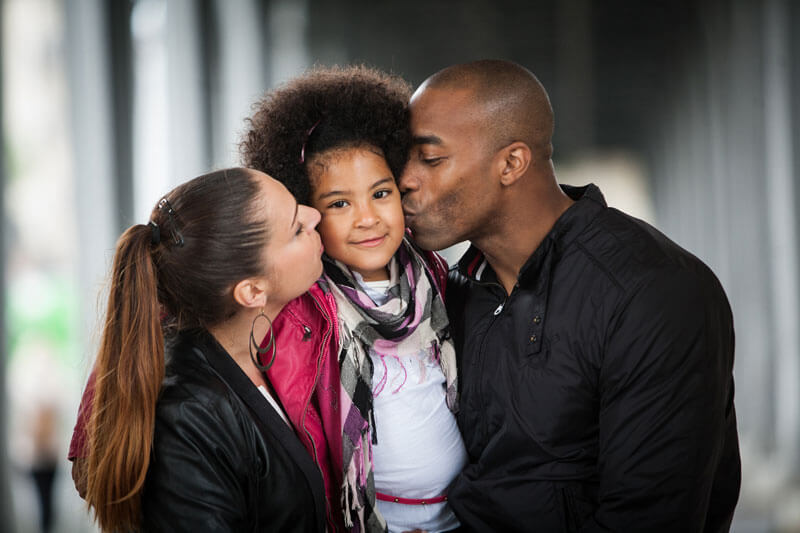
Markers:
(383, 193)
(300, 229)
(338, 204)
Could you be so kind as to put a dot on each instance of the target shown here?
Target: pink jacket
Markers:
(305, 376)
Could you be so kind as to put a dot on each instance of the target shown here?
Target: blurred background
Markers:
(685, 113)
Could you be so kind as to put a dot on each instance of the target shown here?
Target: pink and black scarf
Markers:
(413, 319)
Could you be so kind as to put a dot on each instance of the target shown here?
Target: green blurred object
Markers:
(43, 305)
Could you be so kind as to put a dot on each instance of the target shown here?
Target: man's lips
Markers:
(408, 209)
(408, 212)
(372, 242)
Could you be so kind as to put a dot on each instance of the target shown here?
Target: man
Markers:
(595, 354)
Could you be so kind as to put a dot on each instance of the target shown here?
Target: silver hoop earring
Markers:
(257, 345)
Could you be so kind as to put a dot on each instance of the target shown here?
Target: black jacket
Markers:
(223, 459)
(597, 396)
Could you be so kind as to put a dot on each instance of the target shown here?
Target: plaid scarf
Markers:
(412, 320)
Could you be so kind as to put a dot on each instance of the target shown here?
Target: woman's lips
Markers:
(371, 243)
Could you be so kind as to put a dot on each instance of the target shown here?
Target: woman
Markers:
(202, 443)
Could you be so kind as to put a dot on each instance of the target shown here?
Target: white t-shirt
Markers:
(419, 450)
(378, 291)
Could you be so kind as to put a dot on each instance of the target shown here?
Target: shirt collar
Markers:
(589, 201)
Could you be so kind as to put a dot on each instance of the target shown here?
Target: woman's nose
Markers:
(314, 217)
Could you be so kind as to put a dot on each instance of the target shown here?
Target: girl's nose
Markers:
(366, 216)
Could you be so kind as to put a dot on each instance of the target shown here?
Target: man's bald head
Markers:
(513, 105)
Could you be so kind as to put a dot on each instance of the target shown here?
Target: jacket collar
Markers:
(589, 202)
(266, 419)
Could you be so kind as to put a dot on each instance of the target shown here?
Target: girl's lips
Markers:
(371, 243)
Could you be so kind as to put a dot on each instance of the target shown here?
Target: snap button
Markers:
(537, 319)
(533, 338)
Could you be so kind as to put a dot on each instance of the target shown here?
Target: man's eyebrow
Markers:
(426, 139)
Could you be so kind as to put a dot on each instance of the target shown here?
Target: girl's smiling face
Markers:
(362, 215)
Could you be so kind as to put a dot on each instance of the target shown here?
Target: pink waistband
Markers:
(410, 501)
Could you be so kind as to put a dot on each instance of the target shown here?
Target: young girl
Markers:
(337, 138)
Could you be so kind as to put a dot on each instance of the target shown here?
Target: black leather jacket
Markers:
(598, 395)
(223, 459)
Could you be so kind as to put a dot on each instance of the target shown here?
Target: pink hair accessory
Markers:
(305, 142)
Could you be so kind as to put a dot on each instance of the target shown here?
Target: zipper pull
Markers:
(499, 309)
(306, 332)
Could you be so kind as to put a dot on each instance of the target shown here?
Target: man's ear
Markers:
(251, 292)
(513, 161)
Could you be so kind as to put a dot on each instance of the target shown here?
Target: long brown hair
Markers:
(176, 272)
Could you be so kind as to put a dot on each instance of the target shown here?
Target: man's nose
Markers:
(408, 181)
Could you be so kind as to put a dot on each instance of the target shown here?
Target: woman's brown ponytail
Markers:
(129, 370)
(204, 236)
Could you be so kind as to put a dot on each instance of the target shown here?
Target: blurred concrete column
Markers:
(288, 21)
(693, 162)
(749, 290)
(6, 508)
(574, 83)
(116, 34)
(189, 49)
(782, 226)
(715, 62)
(711, 193)
(89, 75)
(237, 78)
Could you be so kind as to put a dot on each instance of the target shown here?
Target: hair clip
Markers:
(165, 203)
(155, 233)
(177, 238)
(305, 141)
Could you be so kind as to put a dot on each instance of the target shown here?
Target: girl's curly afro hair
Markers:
(342, 107)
